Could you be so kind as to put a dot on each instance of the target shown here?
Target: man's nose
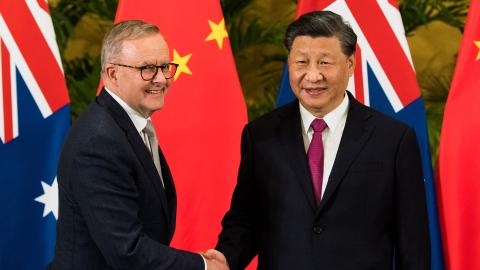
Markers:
(159, 78)
(314, 73)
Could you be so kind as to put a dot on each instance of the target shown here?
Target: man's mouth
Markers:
(155, 91)
(315, 90)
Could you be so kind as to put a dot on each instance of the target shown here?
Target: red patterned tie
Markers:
(315, 157)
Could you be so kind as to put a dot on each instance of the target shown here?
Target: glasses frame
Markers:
(142, 68)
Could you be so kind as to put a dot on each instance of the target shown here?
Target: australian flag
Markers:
(34, 118)
(384, 79)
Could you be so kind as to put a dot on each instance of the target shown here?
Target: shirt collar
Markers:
(138, 120)
(332, 118)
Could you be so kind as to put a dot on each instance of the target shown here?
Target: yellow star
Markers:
(182, 61)
(478, 45)
(218, 32)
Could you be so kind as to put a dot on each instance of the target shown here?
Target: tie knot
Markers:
(318, 125)
(149, 129)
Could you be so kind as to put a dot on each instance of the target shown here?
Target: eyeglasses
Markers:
(148, 72)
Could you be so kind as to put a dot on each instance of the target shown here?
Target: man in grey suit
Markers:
(116, 194)
(325, 182)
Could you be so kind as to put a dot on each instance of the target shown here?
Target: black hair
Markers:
(322, 24)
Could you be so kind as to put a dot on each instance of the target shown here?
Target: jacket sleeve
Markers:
(412, 250)
(238, 240)
(104, 186)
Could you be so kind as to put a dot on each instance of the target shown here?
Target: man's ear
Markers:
(351, 62)
(110, 72)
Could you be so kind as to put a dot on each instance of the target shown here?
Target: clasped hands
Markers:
(215, 260)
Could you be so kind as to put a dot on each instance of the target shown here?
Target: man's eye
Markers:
(150, 68)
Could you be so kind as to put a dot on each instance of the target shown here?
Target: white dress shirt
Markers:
(138, 120)
(331, 135)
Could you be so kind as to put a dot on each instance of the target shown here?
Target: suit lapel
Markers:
(171, 195)
(356, 133)
(141, 151)
(295, 149)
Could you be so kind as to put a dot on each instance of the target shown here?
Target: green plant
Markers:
(435, 84)
(258, 50)
(82, 73)
(416, 13)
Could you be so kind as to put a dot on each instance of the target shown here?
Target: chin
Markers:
(157, 108)
(315, 105)
(153, 108)
(316, 102)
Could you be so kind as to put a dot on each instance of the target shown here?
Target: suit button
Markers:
(317, 229)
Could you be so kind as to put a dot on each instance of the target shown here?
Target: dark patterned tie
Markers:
(315, 157)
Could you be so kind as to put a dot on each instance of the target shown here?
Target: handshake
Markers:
(215, 259)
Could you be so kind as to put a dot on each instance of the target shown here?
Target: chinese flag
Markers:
(459, 163)
(199, 128)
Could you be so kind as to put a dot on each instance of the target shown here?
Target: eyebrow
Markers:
(303, 52)
(154, 64)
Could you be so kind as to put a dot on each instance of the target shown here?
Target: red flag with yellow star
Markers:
(459, 162)
(199, 128)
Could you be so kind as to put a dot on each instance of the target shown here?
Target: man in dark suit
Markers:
(326, 182)
(117, 201)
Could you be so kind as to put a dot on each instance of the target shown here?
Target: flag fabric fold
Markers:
(459, 170)
(34, 119)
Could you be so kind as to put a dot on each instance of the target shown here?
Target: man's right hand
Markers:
(215, 260)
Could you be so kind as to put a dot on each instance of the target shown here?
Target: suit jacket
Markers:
(113, 211)
(373, 207)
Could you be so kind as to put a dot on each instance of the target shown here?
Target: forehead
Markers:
(152, 48)
(317, 45)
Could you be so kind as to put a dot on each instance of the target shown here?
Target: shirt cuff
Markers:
(204, 262)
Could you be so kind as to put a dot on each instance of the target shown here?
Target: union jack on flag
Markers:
(384, 79)
(34, 118)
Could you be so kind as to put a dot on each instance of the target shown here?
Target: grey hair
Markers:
(126, 30)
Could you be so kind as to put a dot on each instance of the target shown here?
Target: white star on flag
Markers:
(49, 198)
